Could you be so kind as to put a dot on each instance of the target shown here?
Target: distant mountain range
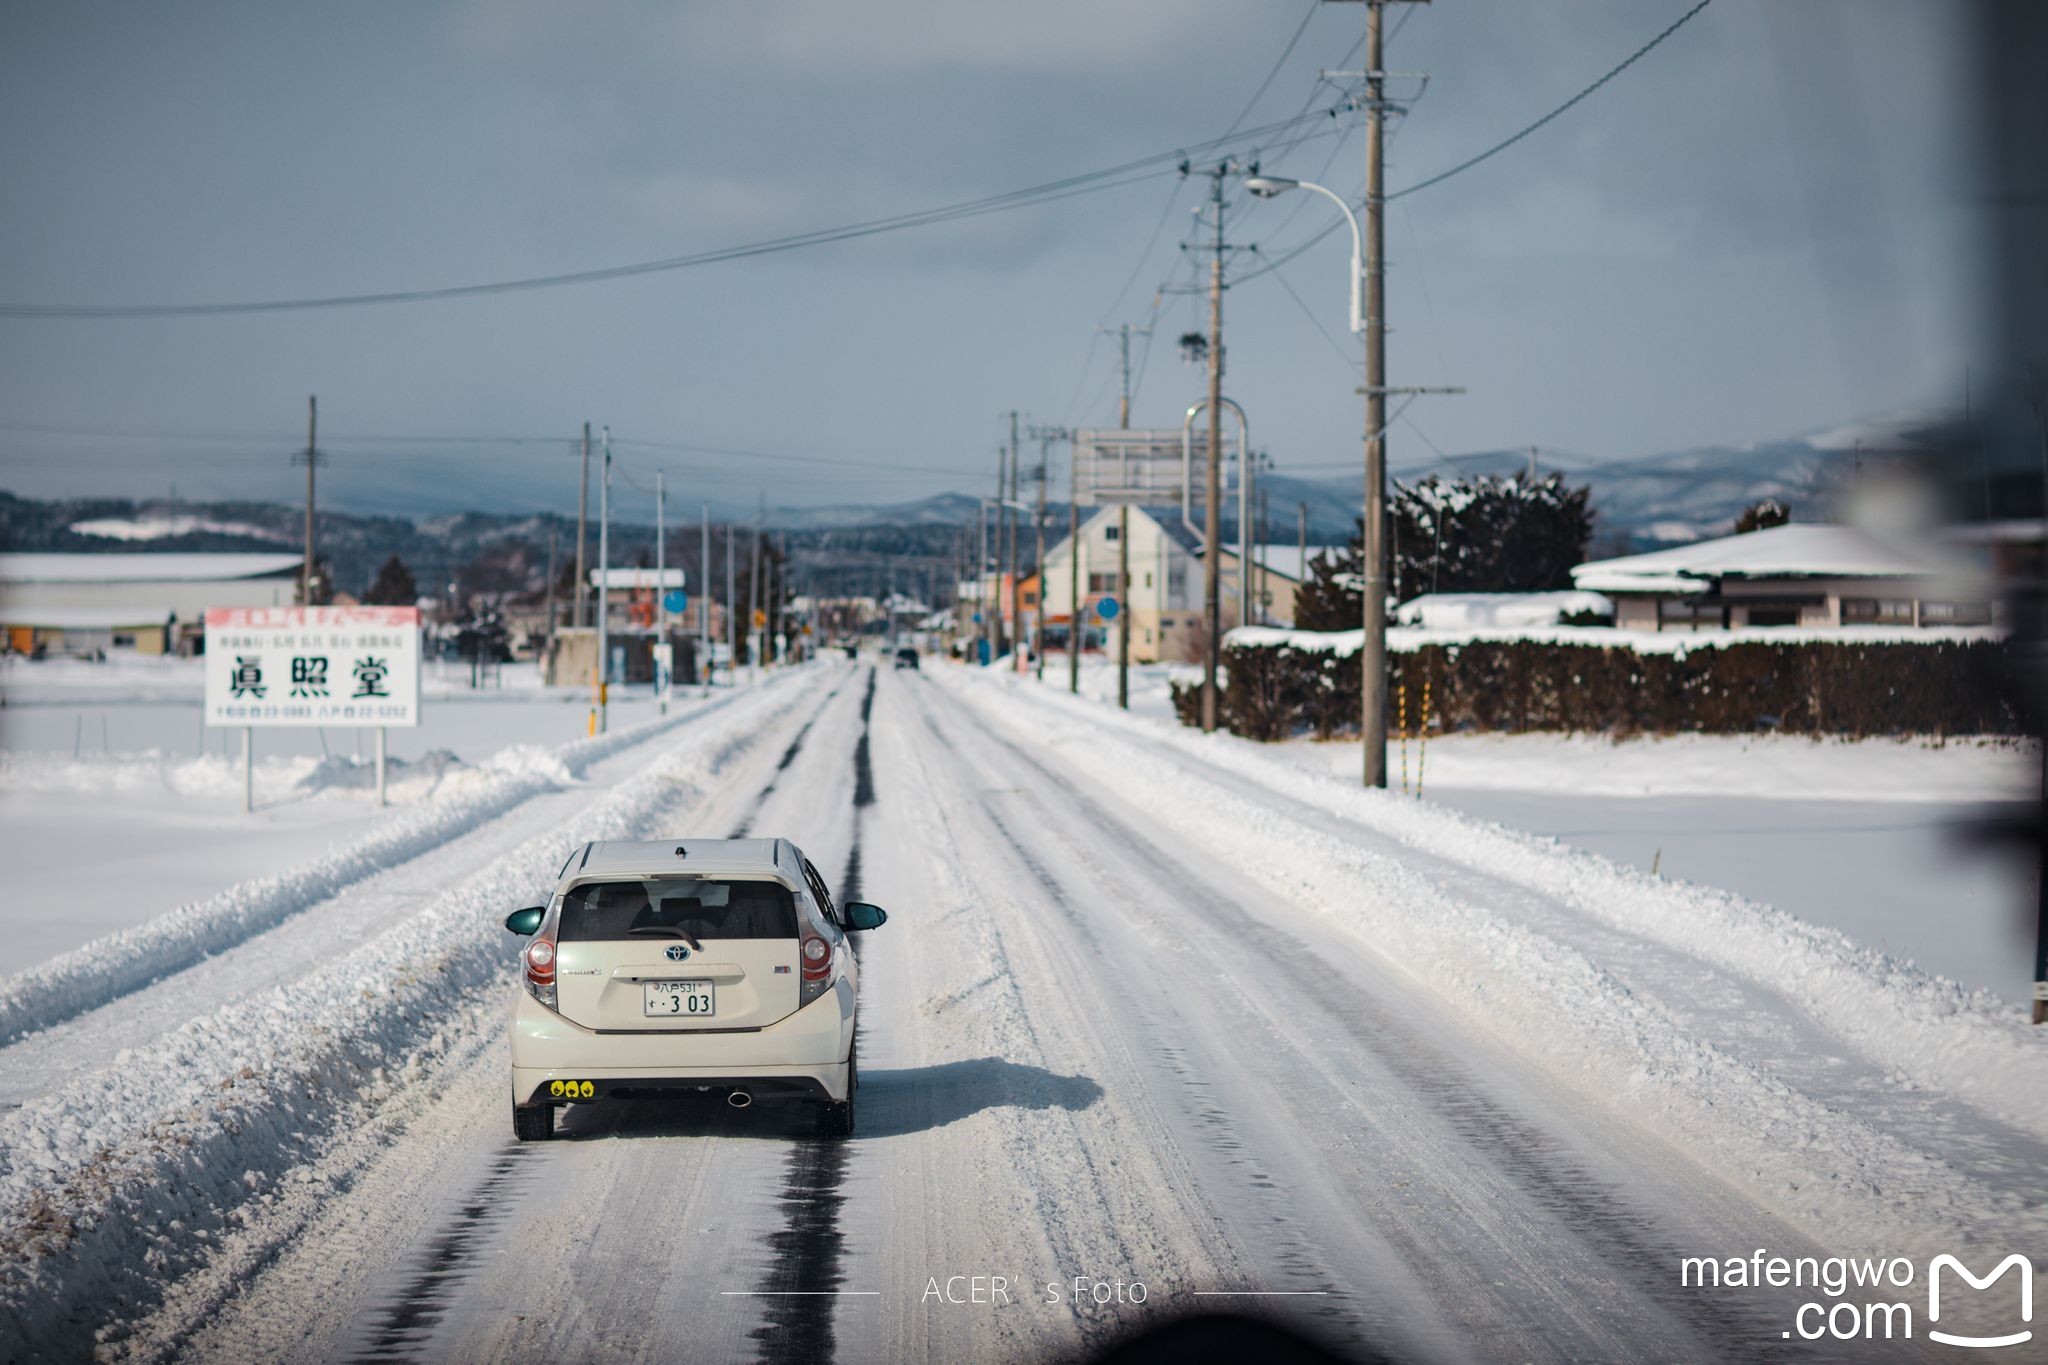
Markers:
(1669, 498)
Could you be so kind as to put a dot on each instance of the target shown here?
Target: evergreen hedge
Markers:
(1851, 688)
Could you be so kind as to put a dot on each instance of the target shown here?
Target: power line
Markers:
(1497, 147)
(1088, 182)
(1285, 53)
(1505, 143)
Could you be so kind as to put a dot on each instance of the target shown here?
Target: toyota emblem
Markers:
(677, 952)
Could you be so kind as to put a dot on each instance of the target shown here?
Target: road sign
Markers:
(977, 618)
(308, 666)
(1107, 609)
(675, 602)
(760, 618)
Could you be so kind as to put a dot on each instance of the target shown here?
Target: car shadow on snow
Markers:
(891, 1103)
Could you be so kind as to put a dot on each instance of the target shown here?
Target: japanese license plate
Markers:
(678, 999)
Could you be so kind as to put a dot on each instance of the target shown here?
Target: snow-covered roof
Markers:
(1461, 610)
(1284, 558)
(142, 568)
(81, 618)
(1798, 551)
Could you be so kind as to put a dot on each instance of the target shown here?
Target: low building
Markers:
(85, 604)
(1814, 577)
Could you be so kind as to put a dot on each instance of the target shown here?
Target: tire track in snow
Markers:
(1625, 1241)
(406, 1320)
(809, 1247)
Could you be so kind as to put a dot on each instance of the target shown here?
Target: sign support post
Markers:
(380, 767)
(248, 769)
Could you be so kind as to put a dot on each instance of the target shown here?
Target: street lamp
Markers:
(1268, 186)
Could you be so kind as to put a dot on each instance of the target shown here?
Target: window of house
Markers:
(1110, 532)
(124, 641)
(1948, 613)
(1773, 616)
(1148, 578)
(1101, 582)
(1877, 611)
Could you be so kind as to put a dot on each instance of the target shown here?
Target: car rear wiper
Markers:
(667, 932)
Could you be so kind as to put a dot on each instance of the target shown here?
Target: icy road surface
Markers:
(1146, 1013)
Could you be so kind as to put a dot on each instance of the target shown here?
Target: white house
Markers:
(151, 603)
(1817, 577)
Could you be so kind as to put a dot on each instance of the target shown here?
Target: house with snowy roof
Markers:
(1809, 576)
(81, 604)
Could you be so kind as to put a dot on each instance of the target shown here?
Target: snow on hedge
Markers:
(1345, 643)
(111, 966)
(132, 1174)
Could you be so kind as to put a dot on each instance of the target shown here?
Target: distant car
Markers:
(686, 964)
(906, 658)
(852, 651)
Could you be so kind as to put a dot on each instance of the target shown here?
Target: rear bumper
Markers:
(531, 1086)
(804, 1054)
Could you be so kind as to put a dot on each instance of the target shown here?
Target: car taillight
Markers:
(540, 970)
(816, 967)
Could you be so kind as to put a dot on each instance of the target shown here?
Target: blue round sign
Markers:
(675, 601)
(1107, 609)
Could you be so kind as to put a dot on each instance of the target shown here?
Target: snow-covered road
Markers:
(1148, 1012)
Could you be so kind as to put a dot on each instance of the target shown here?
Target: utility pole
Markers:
(601, 715)
(1212, 523)
(310, 458)
(704, 600)
(1123, 602)
(660, 582)
(1124, 333)
(754, 594)
(1045, 437)
(1075, 636)
(582, 533)
(1016, 553)
(732, 615)
(551, 579)
(1301, 562)
(1373, 655)
(981, 593)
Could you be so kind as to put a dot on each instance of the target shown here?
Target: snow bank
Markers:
(1775, 767)
(1554, 1001)
(1468, 610)
(91, 975)
(131, 1175)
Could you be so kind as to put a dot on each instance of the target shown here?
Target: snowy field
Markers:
(1869, 837)
(1152, 1007)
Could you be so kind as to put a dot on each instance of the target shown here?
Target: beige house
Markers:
(1813, 577)
(1165, 595)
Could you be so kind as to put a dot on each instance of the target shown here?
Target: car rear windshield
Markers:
(677, 907)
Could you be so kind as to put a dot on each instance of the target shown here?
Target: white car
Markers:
(688, 964)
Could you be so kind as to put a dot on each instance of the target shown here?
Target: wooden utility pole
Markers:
(1373, 655)
(1123, 601)
(1212, 521)
(582, 530)
(704, 597)
(1301, 565)
(1074, 635)
(312, 458)
(552, 536)
(1038, 563)
(1012, 551)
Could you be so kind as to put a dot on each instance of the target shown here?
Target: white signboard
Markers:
(337, 666)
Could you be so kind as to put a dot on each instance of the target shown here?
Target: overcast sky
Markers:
(1755, 232)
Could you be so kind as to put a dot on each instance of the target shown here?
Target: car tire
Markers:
(535, 1123)
(835, 1119)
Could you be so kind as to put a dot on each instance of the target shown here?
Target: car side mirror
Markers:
(861, 915)
(526, 921)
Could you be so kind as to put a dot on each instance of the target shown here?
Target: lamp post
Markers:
(1373, 653)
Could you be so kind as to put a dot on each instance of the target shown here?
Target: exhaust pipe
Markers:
(739, 1099)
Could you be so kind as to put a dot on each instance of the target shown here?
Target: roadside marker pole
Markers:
(248, 769)
(380, 766)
